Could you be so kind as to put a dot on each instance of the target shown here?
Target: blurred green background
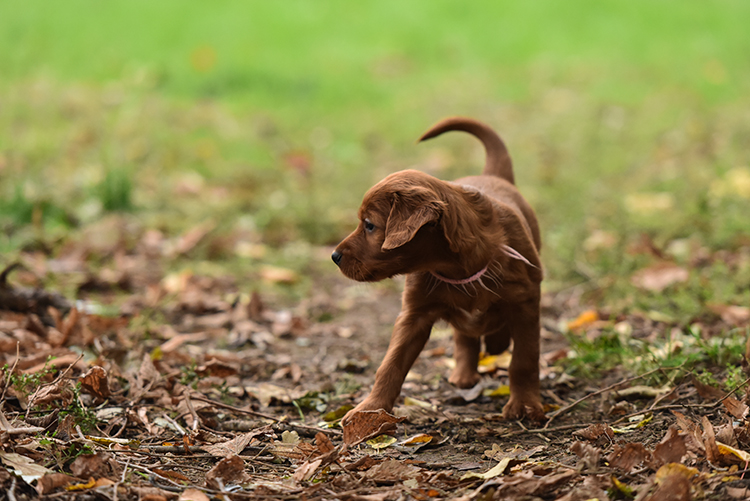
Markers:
(629, 124)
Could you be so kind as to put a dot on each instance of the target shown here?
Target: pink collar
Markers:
(474, 277)
(507, 250)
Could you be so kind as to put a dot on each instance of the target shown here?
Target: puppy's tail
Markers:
(498, 161)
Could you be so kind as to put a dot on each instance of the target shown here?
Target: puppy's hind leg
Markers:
(496, 343)
(466, 354)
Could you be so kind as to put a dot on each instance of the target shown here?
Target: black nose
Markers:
(336, 256)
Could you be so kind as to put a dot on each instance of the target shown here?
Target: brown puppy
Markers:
(470, 253)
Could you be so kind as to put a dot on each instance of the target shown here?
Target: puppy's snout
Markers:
(336, 256)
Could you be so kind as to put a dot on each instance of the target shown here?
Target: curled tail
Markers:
(498, 161)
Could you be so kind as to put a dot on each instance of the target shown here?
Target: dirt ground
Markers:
(196, 389)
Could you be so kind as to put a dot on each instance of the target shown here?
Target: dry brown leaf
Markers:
(707, 392)
(93, 465)
(364, 425)
(588, 453)
(709, 441)
(306, 470)
(736, 408)
(738, 492)
(216, 368)
(231, 447)
(192, 495)
(628, 456)
(659, 276)
(60, 394)
(276, 275)
(176, 476)
(672, 488)
(392, 471)
(594, 431)
(52, 481)
(230, 470)
(95, 383)
(323, 443)
(694, 438)
(732, 314)
(671, 449)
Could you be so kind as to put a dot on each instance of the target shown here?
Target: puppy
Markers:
(470, 252)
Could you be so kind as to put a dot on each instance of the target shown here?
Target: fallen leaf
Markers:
(95, 383)
(707, 392)
(501, 391)
(640, 391)
(92, 465)
(671, 449)
(659, 276)
(231, 447)
(726, 450)
(628, 456)
(497, 470)
(709, 441)
(276, 275)
(193, 495)
(588, 453)
(584, 319)
(594, 431)
(23, 466)
(82, 486)
(363, 425)
(736, 408)
(732, 314)
(381, 442)
(490, 363)
(626, 490)
(306, 470)
(230, 470)
(392, 471)
(52, 481)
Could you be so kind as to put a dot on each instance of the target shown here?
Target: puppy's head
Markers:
(398, 229)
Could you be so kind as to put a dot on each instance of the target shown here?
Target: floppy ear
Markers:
(405, 220)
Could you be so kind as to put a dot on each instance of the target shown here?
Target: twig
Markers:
(196, 419)
(264, 416)
(12, 370)
(54, 382)
(598, 392)
(542, 430)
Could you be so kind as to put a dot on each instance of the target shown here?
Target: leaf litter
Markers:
(193, 386)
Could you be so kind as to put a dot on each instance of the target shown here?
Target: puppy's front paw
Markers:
(464, 379)
(520, 407)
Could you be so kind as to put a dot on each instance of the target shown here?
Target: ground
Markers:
(194, 370)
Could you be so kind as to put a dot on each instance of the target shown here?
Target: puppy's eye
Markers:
(369, 227)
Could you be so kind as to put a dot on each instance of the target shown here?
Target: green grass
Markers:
(273, 118)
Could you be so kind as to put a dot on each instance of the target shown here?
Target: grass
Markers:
(625, 119)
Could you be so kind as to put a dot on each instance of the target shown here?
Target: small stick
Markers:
(598, 392)
(264, 416)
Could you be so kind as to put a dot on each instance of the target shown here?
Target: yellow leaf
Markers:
(642, 421)
(725, 449)
(490, 363)
(584, 319)
(628, 491)
(501, 391)
(675, 469)
(381, 442)
(80, 487)
(496, 471)
(417, 440)
(418, 403)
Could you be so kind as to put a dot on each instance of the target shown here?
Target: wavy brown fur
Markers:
(416, 225)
